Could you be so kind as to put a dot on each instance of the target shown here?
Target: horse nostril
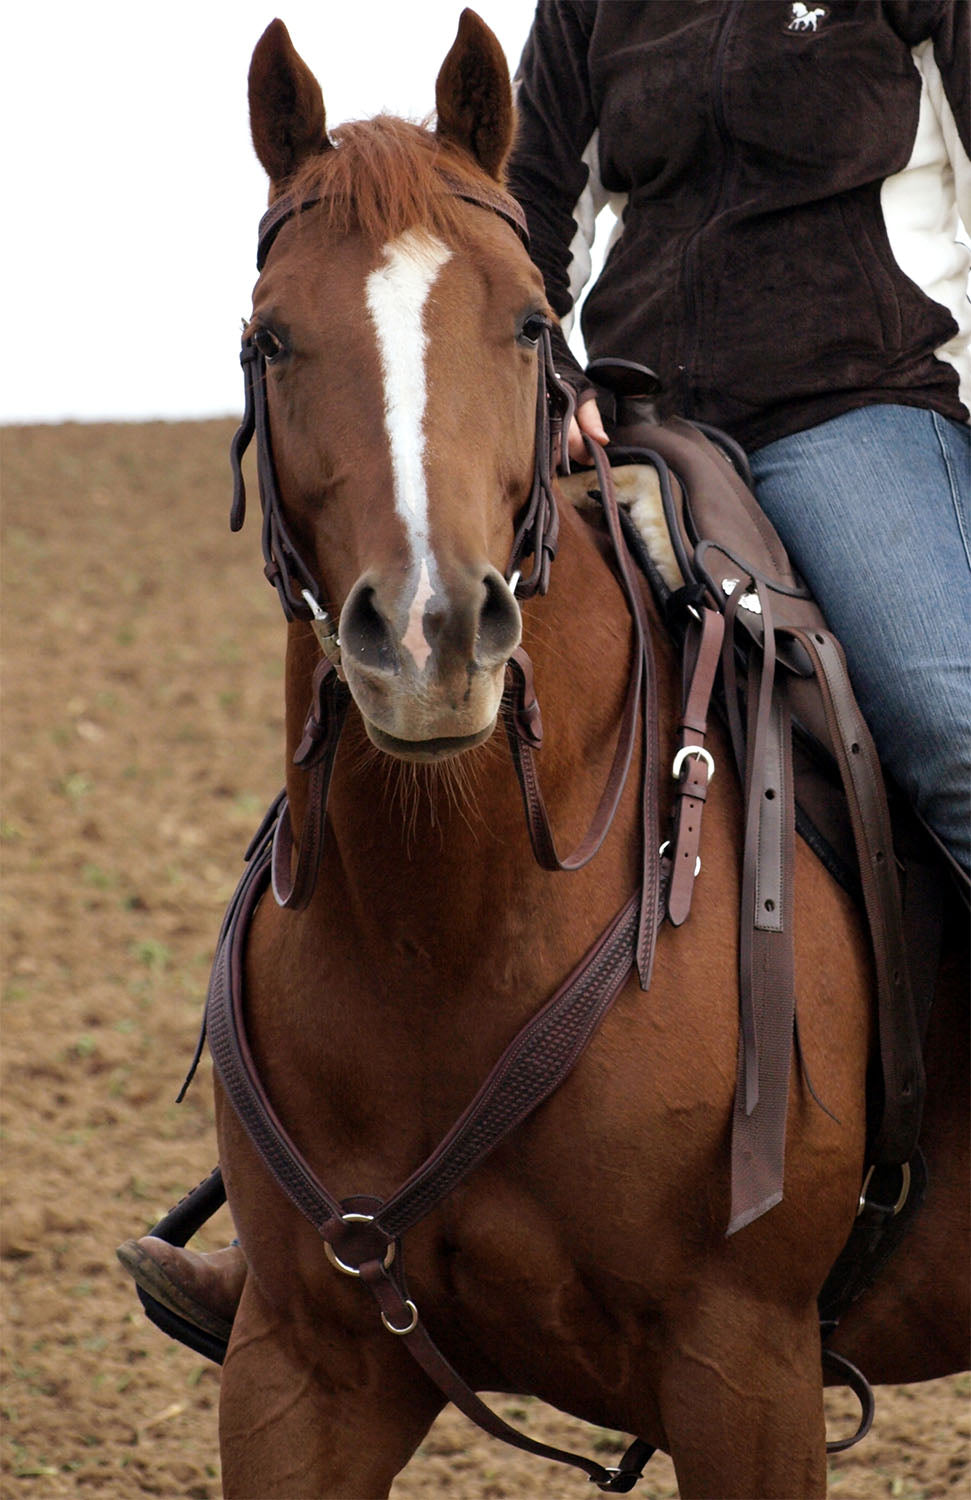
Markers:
(365, 634)
(500, 623)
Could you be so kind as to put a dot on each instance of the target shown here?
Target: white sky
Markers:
(133, 194)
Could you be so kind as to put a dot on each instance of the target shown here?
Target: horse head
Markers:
(395, 325)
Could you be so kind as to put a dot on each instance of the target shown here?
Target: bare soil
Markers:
(142, 739)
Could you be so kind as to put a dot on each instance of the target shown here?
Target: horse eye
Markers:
(268, 344)
(531, 329)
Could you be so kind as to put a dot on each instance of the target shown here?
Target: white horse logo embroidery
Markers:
(804, 19)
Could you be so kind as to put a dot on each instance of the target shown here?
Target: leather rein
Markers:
(362, 1234)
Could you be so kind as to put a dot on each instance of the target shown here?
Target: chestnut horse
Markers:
(585, 1260)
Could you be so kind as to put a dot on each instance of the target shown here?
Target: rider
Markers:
(786, 259)
(788, 178)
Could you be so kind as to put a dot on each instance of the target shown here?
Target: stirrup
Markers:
(177, 1227)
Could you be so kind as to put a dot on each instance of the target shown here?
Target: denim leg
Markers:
(875, 509)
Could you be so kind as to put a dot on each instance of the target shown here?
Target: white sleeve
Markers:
(921, 214)
(586, 211)
(953, 145)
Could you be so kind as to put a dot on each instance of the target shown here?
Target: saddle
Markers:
(806, 762)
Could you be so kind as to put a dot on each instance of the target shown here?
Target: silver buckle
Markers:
(698, 750)
(904, 1189)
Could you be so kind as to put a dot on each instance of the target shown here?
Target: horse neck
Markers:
(442, 831)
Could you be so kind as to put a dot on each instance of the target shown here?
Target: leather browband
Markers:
(496, 201)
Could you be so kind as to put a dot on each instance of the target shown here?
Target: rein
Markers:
(524, 732)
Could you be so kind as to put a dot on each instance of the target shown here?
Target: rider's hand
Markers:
(587, 420)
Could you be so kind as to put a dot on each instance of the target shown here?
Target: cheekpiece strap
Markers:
(537, 534)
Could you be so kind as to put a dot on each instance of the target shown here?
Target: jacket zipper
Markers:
(692, 257)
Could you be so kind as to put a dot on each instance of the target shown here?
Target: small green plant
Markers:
(155, 955)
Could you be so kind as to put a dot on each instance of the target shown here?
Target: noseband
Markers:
(537, 525)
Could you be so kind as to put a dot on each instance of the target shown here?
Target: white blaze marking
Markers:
(414, 636)
(396, 293)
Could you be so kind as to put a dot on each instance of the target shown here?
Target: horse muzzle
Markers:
(425, 664)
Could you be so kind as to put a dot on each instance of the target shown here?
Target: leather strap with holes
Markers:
(766, 953)
(455, 185)
(704, 642)
(900, 1047)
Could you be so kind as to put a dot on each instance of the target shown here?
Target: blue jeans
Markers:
(875, 509)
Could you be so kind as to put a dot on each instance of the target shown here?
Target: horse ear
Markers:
(285, 104)
(473, 96)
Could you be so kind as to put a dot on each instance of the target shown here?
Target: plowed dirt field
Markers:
(142, 703)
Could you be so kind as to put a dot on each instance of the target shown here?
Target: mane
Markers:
(383, 179)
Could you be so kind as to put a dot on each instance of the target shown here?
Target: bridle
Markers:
(300, 592)
(535, 538)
